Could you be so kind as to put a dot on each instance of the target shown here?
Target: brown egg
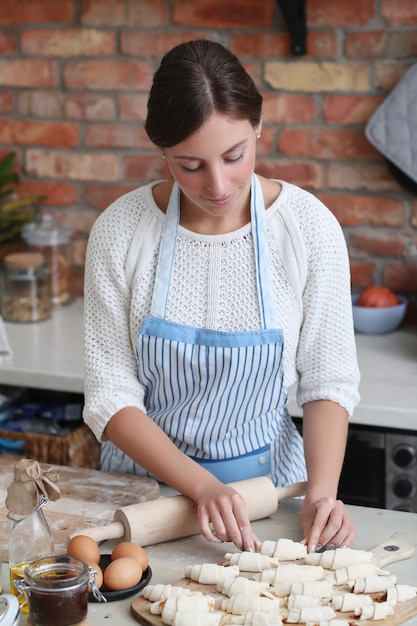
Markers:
(127, 548)
(122, 573)
(99, 575)
(85, 548)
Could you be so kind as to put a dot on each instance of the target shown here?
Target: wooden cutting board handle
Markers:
(174, 517)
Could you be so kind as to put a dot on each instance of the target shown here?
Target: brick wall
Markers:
(74, 77)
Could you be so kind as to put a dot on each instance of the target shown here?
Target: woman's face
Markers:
(214, 166)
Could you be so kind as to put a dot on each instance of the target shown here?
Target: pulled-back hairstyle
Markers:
(194, 80)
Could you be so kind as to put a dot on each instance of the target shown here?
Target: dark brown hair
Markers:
(194, 80)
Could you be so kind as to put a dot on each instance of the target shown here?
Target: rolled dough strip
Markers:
(313, 588)
(253, 618)
(375, 611)
(336, 622)
(153, 593)
(283, 549)
(355, 570)
(281, 590)
(249, 602)
(210, 573)
(299, 602)
(340, 557)
(310, 614)
(400, 593)
(198, 602)
(251, 561)
(197, 618)
(291, 573)
(347, 602)
(233, 586)
(372, 584)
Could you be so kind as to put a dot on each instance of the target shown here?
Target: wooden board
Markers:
(140, 608)
(88, 498)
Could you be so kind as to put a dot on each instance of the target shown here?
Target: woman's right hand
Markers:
(223, 516)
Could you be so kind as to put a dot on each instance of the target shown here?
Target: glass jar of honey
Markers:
(26, 292)
(52, 239)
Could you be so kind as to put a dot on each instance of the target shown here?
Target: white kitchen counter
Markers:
(49, 355)
(168, 560)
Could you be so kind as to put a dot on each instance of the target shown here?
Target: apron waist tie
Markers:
(250, 465)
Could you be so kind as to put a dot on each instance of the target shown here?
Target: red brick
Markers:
(288, 108)
(355, 176)
(326, 143)
(28, 73)
(349, 109)
(400, 277)
(69, 165)
(375, 243)
(79, 106)
(266, 143)
(6, 102)
(101, 196)
(143, 169)
(124, 13)
(404, 12)
(355, 210)
(362, 274)
(342, 14)
(25, 132)
(117, 136)
(133, 106)
(219, 14)
(36, 11)
(414, 214)
(151, 45)
(8, 42)
(379, 45)
(107, 75)
(81, 221)
(56, 194)
(272, 45)
(304, 174)
(68, 42)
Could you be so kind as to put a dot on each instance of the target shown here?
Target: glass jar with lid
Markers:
(52, 239)
(26, 293)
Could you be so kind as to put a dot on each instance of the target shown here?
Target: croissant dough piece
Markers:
(157, 606)
(281, 590)
(400, 593)
(310, 614)
(174, 604)
(313, 588)
(210, 573)
(249, 602)
(291, 573)
(197, 618)
(251, 561)
(283, 549)
(373, 584)
(233, 586)
(340, 557)
(161, 592)
(299, 602)
(375, 611)
(353, 571)
(347, 602)
(253, 618)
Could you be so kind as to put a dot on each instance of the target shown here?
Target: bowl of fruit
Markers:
(378, 310)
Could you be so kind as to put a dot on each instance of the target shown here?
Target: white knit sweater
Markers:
(213, 285)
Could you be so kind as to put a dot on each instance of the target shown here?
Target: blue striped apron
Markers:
(219, 396)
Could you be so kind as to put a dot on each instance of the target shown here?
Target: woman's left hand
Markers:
(326, 523)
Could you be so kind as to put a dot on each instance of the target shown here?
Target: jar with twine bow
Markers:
(30, 537)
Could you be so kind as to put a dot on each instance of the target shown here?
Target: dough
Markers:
(377, 610)
(313, 588)
(310, 614)
(233, 586)
(340, 557)
(281, 590)
(251, 561)
(193, 602)
(299, 602)
(253, 618)
(372, 584)
(161, 592)
(291, 573)
(157, 606)
(347, 602)
(283, 549)
(197, 618)
(249, 602)
(210, 573)
(351, 572)
(400, 593)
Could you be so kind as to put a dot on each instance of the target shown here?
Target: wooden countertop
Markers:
(49, 355)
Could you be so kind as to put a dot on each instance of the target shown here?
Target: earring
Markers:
(258, 135)
(163, 155)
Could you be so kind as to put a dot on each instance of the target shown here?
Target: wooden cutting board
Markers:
(89, 498)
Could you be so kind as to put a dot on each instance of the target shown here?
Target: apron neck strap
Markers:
(261, 250)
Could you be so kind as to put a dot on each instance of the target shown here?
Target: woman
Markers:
(192, 287)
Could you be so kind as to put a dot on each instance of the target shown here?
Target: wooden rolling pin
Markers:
(173, 517)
